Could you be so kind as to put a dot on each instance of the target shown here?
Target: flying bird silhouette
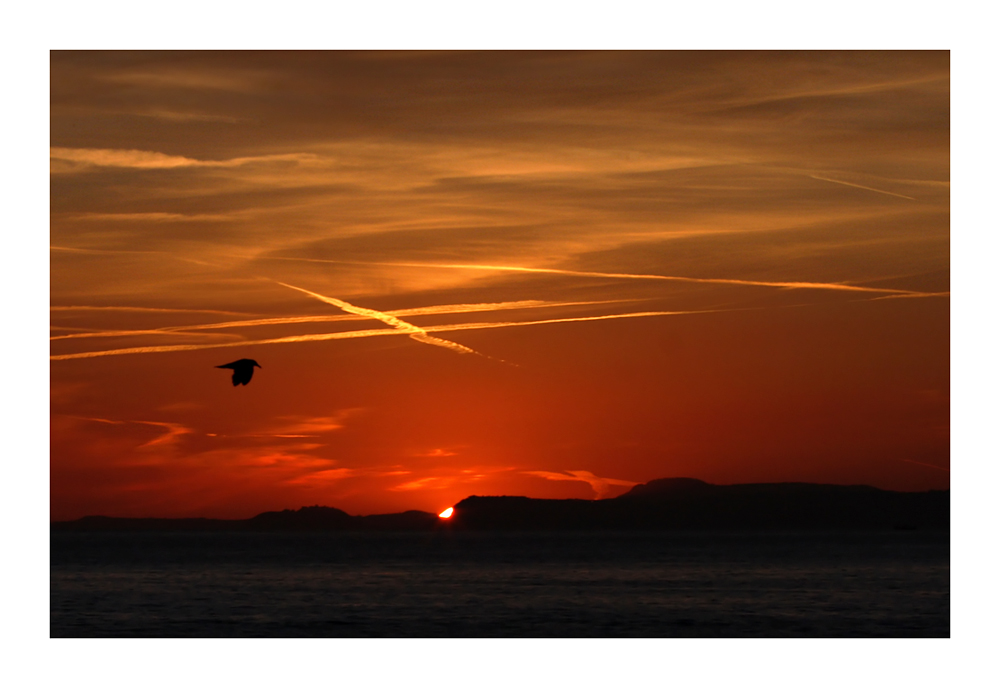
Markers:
(242, 370)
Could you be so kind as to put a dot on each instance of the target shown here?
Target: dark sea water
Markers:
(463, 584)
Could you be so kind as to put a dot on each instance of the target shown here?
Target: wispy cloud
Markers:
(149, 217)
(324, 477)
(172, 431)
(153, 160)
(310, 426)
(142, 309)
(601, 486)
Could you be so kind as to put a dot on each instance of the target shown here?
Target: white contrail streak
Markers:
(493, 325)
(859, 186)
(701, 280)
(413, 331)
(834, 286)
(224, 345)
(449, 309)
(355, 334)
(136, 333)
(142, 309)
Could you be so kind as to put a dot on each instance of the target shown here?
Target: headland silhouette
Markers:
(664, 504)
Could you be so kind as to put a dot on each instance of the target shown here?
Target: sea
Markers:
(500, 584)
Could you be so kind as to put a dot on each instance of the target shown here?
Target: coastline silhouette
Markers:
(664, 504)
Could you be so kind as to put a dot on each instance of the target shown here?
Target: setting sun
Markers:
(447, 512)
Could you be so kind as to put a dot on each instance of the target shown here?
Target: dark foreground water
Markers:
(447, 584)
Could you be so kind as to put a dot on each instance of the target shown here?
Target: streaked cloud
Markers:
(323, 477)
(310, 426)
(149, 217)
(142, 309)
(601, 486)
(171, 431)
(152, 160)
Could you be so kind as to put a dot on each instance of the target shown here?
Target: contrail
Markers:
(859, 186)
(180, 330)
(911, 296)
(142, 309)
(223, 345)
(413, 331)
(835, 286)
(493, 325)
(929, 465)
(355, 334)
(701, 280)
(135, 333)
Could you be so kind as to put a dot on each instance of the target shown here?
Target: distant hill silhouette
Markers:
(686, 503)
(308, 518)
(666, 504)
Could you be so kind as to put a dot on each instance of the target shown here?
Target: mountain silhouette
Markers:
(690, 504)
(665, 504)
(242, 370)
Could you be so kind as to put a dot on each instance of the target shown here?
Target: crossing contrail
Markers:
(417, 333)
(448, 309)
(356, 334)
(833, 286)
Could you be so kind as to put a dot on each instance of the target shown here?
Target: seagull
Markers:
(242, 370)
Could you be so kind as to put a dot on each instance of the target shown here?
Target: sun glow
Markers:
(447, 512)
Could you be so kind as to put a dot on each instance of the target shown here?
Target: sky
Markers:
(553, 274)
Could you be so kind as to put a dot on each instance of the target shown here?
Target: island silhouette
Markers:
(664, 504)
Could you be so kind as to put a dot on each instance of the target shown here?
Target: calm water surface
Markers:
(446, 584)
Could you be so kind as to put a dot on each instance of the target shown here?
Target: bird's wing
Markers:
(242, 375)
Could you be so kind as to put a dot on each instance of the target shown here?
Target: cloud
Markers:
(73, 159)
(601, 486)
(142, 309)
(431, 482)
(172, 431)
(149, 217)
(324, 477)
(436, 453)
(310, 426)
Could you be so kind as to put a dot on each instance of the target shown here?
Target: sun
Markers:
(447, 512)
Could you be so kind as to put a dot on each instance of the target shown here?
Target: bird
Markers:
(242, 370)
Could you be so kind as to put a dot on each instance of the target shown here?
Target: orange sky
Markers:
(550, 274)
